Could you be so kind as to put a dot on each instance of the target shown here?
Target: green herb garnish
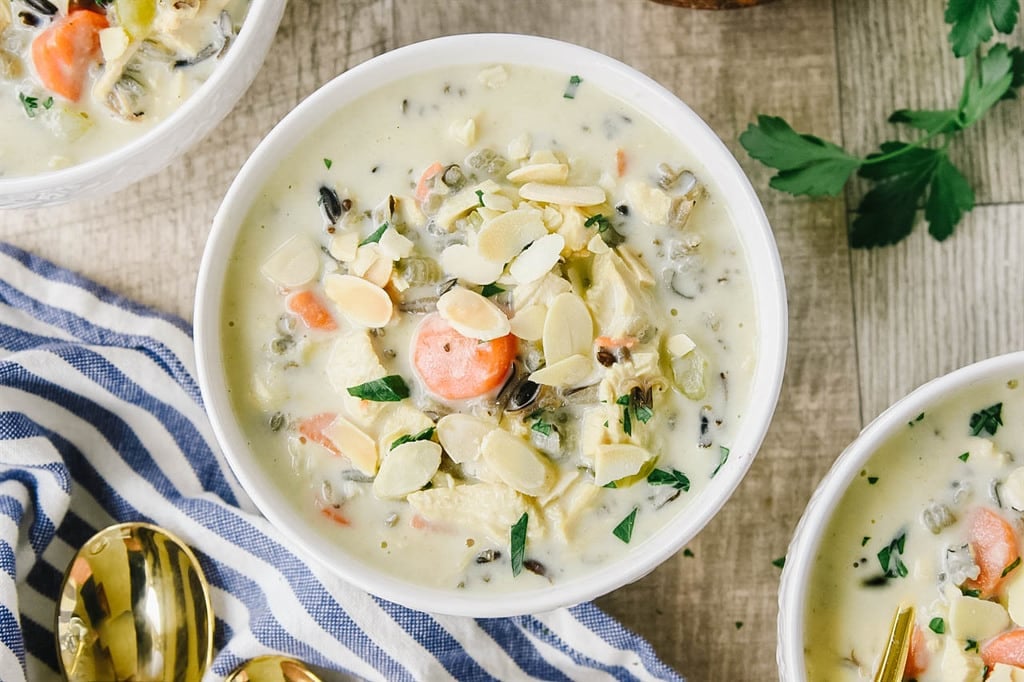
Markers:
(687, 552)
(738, 624)
(906, 177)
(603, 224)
(570, 89)
(48, 103)
(872, 480)
(517, 543)
(970, 592)
(891, 558)
(624, 531)
(480, 196)
(675, 478)
(937, 625)
(375, 237)
(864, 540)
(627, 424)
(425, 434)
(389, 389)
(988, 420)
(610, 484)
(637, 404)
(541, 426)
(1013, 564)
(780, 562)
(971, 645)
(491, 289)
(963, 457)
(915, 420)
(328, 163)
(724, 454)
(31, 104)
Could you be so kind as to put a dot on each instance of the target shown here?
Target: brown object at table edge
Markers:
(713, 4)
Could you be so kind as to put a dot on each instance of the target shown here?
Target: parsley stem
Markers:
(903, 150)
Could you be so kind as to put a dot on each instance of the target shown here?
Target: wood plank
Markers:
(918, 71)
(925, 308)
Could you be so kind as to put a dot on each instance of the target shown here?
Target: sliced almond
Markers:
(395, 245)
(597, 244)
(493, 77)
(528, 323)
(564, 195)
(539, 172)
(113, 42)
(456, 206)
(501, 239)
(636, 265)
(543, 156)
(360, 301)
(652, 203)
(496, 202)
(461, 435)
(516, 463)
(407, 468)
(679, 345)
(372, 265)
(294, 263)
(519, 147)
(538, 259)
(566, 372)
(472, 315)
(612, 462)
(465, 263)
(399, 419)
(350, 440)
(464, 131)
(568, 328)
(542, 291)
(344, 246)
(573, 228)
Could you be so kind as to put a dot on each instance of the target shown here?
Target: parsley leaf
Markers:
(389, 389)
(995, 74)
(1009, 569)
(425, 434)
(29, 103)
(988, 420)
(328, 163)
(517, 543)
(949, 197)
(570, 89)
(891, 557)
(624, 531)
(930, 121)
(937, 625)
(375, 237)
(724, 457)
(675, 478)
(780, 562)
(972, 25)
(806, 164)
(491, 289)
(543, 427)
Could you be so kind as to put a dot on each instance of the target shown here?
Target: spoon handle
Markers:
(894, 658)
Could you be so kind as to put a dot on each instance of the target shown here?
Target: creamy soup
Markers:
(933, 521)
(79, 78)
(488, 327)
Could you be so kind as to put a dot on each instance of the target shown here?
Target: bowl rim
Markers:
(195, 110)
(807, 536)
(648, 97)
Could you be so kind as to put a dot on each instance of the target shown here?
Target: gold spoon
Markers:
(134, 605)
(272, 669)
(894, 658)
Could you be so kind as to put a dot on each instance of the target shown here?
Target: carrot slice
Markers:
(422, 187)
(917, 655)
(313, 313)
(454, 366)
(334, 514)
(609, 342)
(313, 429)
(63, 52)
(620, 162)
(1007, 648)
(995, 547)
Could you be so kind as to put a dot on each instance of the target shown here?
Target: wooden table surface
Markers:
(866, 327)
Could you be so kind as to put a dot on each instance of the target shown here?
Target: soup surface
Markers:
(79, 79)
(933, 521)
(488, 327)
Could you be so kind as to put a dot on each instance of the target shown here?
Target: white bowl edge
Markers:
(763, 259)
(817, 514)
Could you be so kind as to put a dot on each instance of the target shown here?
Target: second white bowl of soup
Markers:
(483, 335)
(924, 509)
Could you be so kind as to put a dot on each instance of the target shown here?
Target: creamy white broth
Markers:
(380, 146)
(134, 81)
(933, 466)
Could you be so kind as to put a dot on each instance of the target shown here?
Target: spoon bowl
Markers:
(134, 605)
(272, 669)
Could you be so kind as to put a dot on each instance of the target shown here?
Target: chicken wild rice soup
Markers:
(935, 521)
(80, 78)
(489, 326)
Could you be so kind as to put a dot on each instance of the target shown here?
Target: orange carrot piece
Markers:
(418, 522)
(313, 313)
(421, 187)
(609, 342)
(63, 52)
(917, 655)
(313, 429)
(995, 547)
(454, 366)
(334, 514)
(620, 162)
(1007, 648)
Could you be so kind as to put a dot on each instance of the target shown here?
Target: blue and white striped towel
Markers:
(101, 422)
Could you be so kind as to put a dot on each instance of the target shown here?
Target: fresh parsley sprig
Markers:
(906, 177)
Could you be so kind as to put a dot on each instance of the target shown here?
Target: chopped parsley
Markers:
(636, 405)
(780, 562)
(31, 104)
(603, 224)
(675, 478)
(570, 89)
(517, 543)
(864, 540)
(963, 457)
(915, 420)
(425, 434)
(328, 163)
(375, 237)
(389, 389)
(987, 420)
(687, 552)
(1013, 564)
(872, 480)
(971, 645)
(724, 453)
(624, 531)
(969, 592)
(738, 624)
(937, 625)
(48, 103)
(491, 289)
(480, 196)
(543, 427)
(891, 557)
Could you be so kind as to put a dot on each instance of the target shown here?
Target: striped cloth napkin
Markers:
(101, 422)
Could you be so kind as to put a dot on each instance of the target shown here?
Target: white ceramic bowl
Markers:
(611, 76)
(169, 138)
(806, 540)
